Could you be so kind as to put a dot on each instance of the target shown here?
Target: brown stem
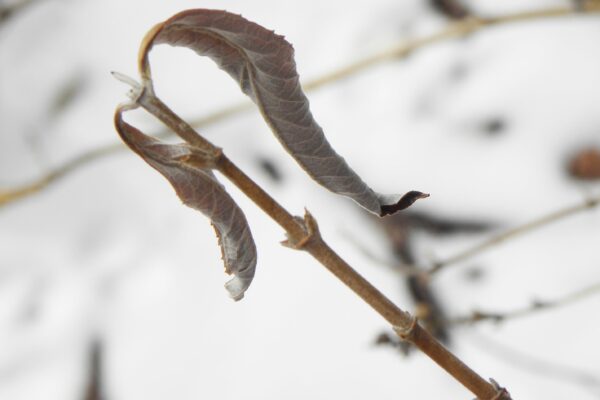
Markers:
(452, 364)
(304, 235)
(404, 324)
(156, 107)
(262, 199)
(310, 240)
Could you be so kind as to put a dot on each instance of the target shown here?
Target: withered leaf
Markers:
(198, 188)
(263, 65)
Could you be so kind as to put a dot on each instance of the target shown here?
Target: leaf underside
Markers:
(199, 189)
(263, 65)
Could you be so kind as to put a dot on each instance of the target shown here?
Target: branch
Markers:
(18, 193)
(515, 232)
(542, 367)
(535, 307)
(556, 216)
(461, 28)
(303, 234)
(454, 30)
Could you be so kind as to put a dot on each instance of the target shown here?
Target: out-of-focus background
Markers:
(109, 285)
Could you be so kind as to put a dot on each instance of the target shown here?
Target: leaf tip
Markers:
(405, 201)
(236, 287)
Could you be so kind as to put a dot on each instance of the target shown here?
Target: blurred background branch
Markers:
(94, 381)
(543, 367)
(515, 232)
(535, 307)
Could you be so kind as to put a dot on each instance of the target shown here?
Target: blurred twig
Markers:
(535, 307)
(514, 232)
(68, 93)
(93, 389)
(534, 365)
(9, 10)
(457, 29)
(72, 165)
(453, 30)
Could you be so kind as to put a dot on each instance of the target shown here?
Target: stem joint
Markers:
(311, 233)
(407, 333)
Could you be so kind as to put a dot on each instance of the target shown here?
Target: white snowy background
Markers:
(110, 252)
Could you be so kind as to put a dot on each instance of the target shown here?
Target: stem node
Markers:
(311, 233)
(502, 392)
(407, 333)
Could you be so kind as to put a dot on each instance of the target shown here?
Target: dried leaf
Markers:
(198, 188)
(263, 65)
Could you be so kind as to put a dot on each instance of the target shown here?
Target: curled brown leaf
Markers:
(183, 166)
(263, 65)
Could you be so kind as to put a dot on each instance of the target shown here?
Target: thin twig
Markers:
(457, 29)
(535, 365)
(535, 307)
(461, 28)
(405, 269)
(68, 167)
(515, 232)
(304, 235)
